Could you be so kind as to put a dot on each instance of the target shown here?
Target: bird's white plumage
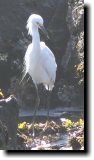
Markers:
(39, 60)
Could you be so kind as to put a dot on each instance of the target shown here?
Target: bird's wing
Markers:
(48, 61)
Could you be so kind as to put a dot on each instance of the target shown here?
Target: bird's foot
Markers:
(45, 128)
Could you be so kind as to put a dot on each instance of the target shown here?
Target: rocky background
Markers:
(64, 21)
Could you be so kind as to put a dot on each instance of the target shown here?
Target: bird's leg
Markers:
(48, 104)
(48, 93)
(36, 108)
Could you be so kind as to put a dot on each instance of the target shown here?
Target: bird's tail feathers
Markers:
(23, 76)
(49, 87)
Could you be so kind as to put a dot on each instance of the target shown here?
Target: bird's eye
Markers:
(38, 24)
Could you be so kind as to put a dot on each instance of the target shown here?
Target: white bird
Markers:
(39, 60)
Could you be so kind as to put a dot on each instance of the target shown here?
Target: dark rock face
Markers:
(64, 22)
(9, 111)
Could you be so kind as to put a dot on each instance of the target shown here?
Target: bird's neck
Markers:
(35, 37)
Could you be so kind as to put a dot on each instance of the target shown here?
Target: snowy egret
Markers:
(39, 61)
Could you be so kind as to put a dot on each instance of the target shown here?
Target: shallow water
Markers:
(55, 112)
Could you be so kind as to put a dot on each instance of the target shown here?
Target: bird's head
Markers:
(36, 21)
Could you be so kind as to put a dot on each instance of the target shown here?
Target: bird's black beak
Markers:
(44, 31)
